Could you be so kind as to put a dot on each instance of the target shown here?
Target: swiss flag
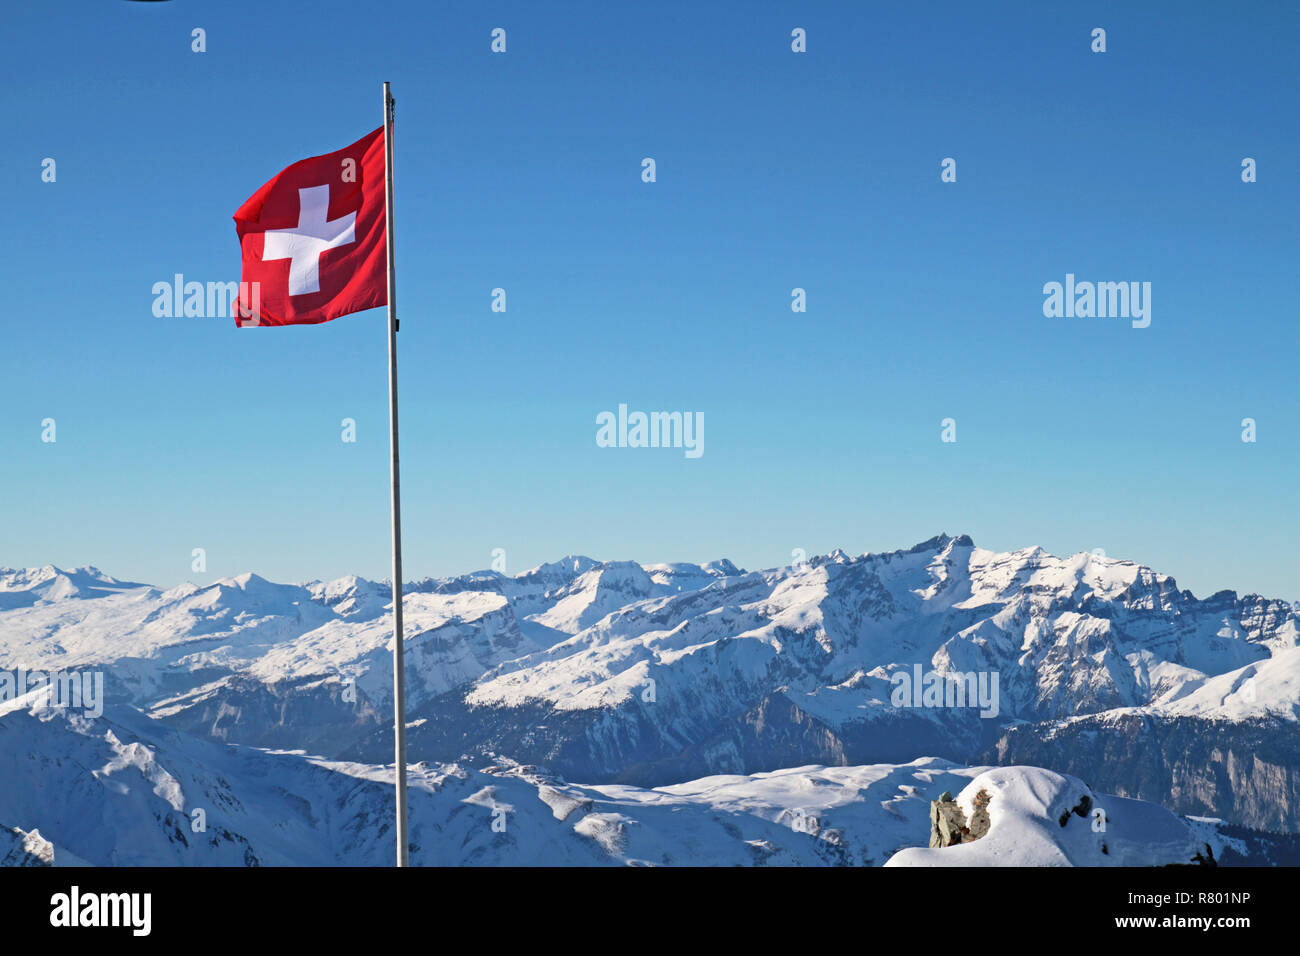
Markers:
(313, 239)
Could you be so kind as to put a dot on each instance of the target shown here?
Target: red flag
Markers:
(313, 239)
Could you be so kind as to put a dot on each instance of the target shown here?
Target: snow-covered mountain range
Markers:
(642, 680)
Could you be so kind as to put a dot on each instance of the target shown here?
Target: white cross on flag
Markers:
(313, 239)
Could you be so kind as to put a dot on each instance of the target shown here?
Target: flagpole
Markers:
(399, 668)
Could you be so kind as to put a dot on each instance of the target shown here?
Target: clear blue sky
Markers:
(775, 170)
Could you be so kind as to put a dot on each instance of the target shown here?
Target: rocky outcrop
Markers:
(20, 848)
(948, 823)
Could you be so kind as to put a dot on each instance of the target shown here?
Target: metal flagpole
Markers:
(399, 670)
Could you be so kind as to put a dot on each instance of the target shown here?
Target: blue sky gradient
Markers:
(775, 170)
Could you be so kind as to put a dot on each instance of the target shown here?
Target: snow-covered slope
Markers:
(124, 790)
(1266, 688)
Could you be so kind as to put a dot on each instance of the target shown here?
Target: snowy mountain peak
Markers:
(937, 543)
(572, 564)
(24, 587)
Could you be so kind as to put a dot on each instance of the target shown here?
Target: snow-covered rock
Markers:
(19, 848)
(1041, 818)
